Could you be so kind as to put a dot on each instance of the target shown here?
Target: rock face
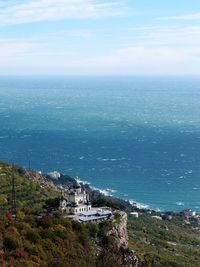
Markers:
(124, 256)
(119, 231)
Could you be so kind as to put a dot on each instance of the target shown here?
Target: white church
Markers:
(76, 200)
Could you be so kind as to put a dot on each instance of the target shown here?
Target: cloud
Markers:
(138, 60)
(152, 50)
(149, 60)
(81, 33)
(168, 36)
(52, 10)
(193, 16)
(10, 48)
(21, 57)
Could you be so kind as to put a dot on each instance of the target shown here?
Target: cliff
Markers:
(115, 253)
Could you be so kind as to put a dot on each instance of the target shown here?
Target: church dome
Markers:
(76, 185)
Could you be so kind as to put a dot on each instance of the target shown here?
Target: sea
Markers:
(136, 138)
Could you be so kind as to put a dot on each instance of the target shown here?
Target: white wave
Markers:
(139, 205)
(105, 192)
(84, 182)
(180, 203)
(111, 159)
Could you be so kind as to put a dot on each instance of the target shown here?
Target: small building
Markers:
(189, 213)
(134, 214)
(157, 217)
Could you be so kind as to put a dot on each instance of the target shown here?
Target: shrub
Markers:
(11, 243)
(45, 222)
(32, 236)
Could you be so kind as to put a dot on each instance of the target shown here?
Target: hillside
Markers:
(40, 236)
(165, 243)
(31, 190)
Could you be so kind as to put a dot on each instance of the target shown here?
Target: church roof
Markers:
(76, 185)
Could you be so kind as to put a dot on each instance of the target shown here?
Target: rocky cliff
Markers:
(115, 252)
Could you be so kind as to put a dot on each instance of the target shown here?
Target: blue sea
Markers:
(139, 136)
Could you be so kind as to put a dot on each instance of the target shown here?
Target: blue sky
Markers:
(130, 37)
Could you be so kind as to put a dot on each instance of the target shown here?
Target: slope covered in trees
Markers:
(36, 237)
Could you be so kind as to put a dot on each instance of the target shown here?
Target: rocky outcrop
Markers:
(117, 253)
(119, 231)
(41, 180)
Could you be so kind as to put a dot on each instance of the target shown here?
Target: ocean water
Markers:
(137, 136)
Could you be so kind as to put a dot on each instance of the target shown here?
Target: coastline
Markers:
(98, 193)
(108, 192)
(140, 204)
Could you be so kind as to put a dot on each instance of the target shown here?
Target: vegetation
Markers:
(40, 236)
(164, 243)
(46, 241)
(30, 196)
(114, 203)
(36, 237)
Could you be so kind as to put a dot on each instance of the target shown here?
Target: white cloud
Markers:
(52, 10)
(152, 50)
(81, 33)
(193, 16)
(10, 48)
(149, 60)
(168, 35)
(31, 58)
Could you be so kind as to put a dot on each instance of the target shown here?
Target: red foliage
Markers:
(21, 253)
(45, 222)
(9, 217)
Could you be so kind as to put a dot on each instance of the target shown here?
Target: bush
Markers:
(45, 222)
(11, 243)
(93, 229)
(32, 236)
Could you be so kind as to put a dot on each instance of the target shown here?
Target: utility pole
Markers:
(13, 197)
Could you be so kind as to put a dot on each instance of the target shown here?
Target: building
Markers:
(189, 213)
(157, 217)
(95, 215)
(135, 214)
(76, 200)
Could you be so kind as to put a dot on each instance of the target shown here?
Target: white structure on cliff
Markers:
(76, 201)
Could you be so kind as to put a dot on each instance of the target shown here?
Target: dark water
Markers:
(138, 136)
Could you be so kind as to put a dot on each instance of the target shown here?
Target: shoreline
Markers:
(135, 204)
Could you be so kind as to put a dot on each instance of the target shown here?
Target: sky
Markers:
(93, 37)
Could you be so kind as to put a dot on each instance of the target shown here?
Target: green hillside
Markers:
(30, 196)
(165, 243)
(49, 240)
